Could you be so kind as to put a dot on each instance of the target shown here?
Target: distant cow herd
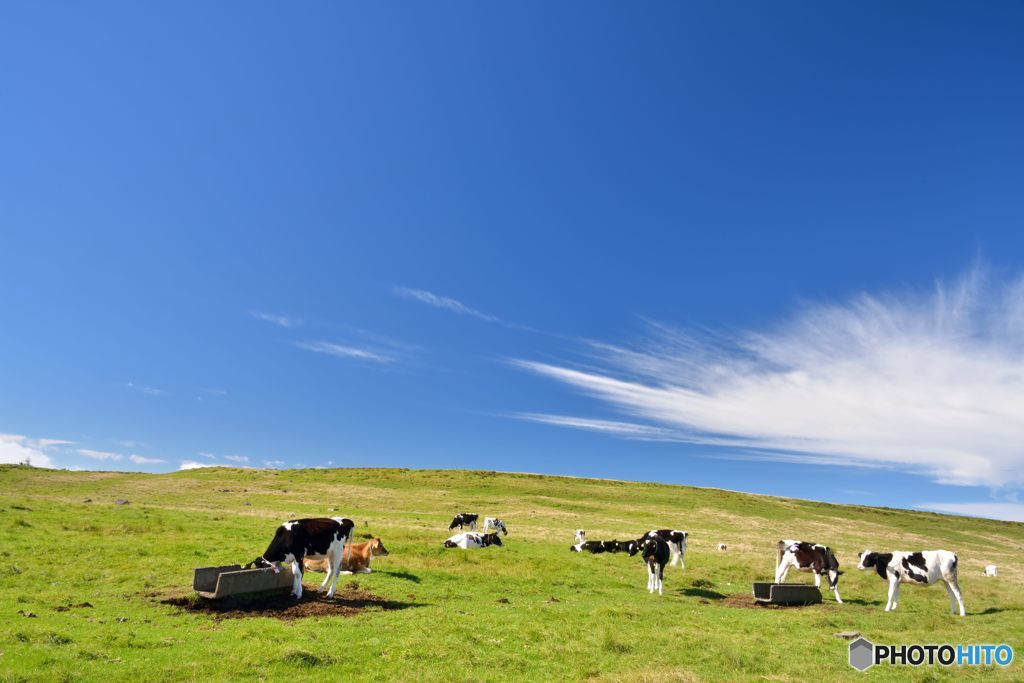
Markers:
(325, 544)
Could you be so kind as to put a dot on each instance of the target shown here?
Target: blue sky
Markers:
(773, 248)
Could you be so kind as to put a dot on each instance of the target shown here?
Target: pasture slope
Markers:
(528, 611)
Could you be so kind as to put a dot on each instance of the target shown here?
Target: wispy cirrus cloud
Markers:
(447, 303)
(286, 321)
(274, 463)
(926, 383)
(344, 351)
(143, 460)
(148, 391)
(236, 458)
(98, 455)
(628, 430)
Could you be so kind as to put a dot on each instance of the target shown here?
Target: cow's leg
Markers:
(330, 569)
(336, 558)
(297, 578)
(650, 577)
(890, 604)
(954, 590)
(817, 580)
(661, 576)
(836, 591)
(781, 571)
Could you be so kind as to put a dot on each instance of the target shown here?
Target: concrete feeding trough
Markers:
(786, 594)
(231, 580)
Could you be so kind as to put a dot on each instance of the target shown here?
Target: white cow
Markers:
(921, 568)
(496, 524)
(991, 570)
(472, 539)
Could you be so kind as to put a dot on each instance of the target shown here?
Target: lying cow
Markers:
(464, 519)
(471, 539)
(355, 560)
(676, 543)
(921, 568)
(656, 553)
(588, 547)
(722, 547)
(317, 538)
(808, 557)
(496, 524)
(991, 570)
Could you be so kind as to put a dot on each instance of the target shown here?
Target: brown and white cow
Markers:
(921, 568)
(316, 538)
(356, 559)
(808, 557)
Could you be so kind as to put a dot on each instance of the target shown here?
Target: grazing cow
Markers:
(581, 536)
(588, 547)
(676, 543)
(656, 553)
(471, 539)
(355, 561)
(464, 519)
(921, 568)
(295, 540)
(496, 524)
(991, 570)
(722, 547)
(808, 557)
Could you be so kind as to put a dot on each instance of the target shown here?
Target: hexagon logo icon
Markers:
(862, 654)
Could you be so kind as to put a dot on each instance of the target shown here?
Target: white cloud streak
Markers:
(236, 458)
(148, 391)
(438, 301)
(279, 320)
(142, 460)
(98, 455)
(930, 384)
(629, 430)
(1010, 512)
(342, 351)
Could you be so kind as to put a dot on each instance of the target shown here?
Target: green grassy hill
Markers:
(529, 610)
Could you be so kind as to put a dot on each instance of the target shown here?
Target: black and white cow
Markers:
(581, 536)
(631, 547)
(808, 557)
(464, 519)
(496, 524)
(921, 569)
(588, 547)
(676, 540)
(656, 553)
(471, 539)
(315, 539)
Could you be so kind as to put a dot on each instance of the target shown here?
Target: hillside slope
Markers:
(528, 610)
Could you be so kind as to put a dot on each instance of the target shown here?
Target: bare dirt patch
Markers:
(348, 601)
(747, 602)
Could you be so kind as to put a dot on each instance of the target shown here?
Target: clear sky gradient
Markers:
(767, 247)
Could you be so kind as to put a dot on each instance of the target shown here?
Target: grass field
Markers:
(530, 610)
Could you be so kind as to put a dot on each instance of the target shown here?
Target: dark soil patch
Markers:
(747, 602)
(347, 602)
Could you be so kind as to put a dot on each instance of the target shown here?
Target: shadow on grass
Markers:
(859, 601)
(346, 603)
(702, 593)
(402, 575)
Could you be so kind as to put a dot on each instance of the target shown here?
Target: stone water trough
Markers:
(230, 580)
(786, 594)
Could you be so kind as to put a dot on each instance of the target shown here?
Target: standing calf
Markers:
(676, 540)
(464, 519)
(656, 554)
(922, 568)
(496, 524)
(808, 557)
